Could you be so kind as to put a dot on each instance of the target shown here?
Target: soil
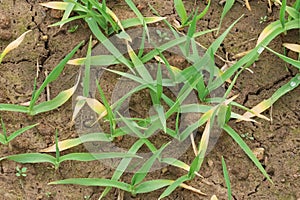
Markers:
(45, 46)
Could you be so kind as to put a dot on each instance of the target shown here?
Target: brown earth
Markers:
(280, 138)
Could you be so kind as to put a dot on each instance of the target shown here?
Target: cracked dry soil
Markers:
(45, 46)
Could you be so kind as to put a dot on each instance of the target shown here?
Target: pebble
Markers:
(4, 22)
(5, 34)
(56, 14)
(259, 153)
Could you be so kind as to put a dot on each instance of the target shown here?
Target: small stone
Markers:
(44, 38)
(5, 34)
(164, 170)
(4, 22)
(56, 14)
(210, 162)
(259, 153)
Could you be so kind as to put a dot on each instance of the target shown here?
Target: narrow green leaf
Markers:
(69, 143)
(95, 156)
(87, 70)
(143, 171)
(53, 75)
(54, 103)
(282, 13)
(152, 185)
(226, 177)
(246, 149)
(161, 115)
(123, 165)
(67, 12)
(108, 45)
(181, 11)
(286, 59)
(227, 7)
(94, 182)
(19, 132)
(173, 186)
(31, 158)
(13, 108)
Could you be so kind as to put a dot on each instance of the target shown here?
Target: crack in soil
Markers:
(267, 87)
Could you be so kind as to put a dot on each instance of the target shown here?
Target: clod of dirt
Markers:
(5, 34)
(259, 153)
(56, 14)
(4, 22)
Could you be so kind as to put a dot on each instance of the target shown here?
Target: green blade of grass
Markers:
(127, 23)
(139, 66)
(152, 185)
(246, 149)
(108, 45)
(181, 11)
(69, 143)
(65, 21)
(87, 70)
(20, 131)
(110, 114)
(226, 177)
(203, 13)
(123, 165)
(227, 7)
(173, 186)
(100, 60)
(95, 156)
(53, 75)
(94, 182)
(132, 125)
(268, 34)
(139, 16)
(143, 171)
(68, 11)
(14, 44)
(265, 104)
(31, 158)
(54, 103)
(161, 115)
(282, 13)
(177, 163)
(13, 108)
(286, 59)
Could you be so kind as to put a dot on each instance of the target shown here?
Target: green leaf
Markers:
(95, 156)
(152, 185)
(123, 164)
(87, 70)
(173, 186)
(161, 115)
(53, 76)
(226, 177)
(19, 132)
(31, 158)
(181, 11)
(246, 149)
(282, 13)
(143, 171)
(94, 182)
(108, 45)
(13, 108)
(267, 35)
(222, 115)
(54, 103)
(227, 7)
(286, 59)
(69, 143)
(67, 12)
